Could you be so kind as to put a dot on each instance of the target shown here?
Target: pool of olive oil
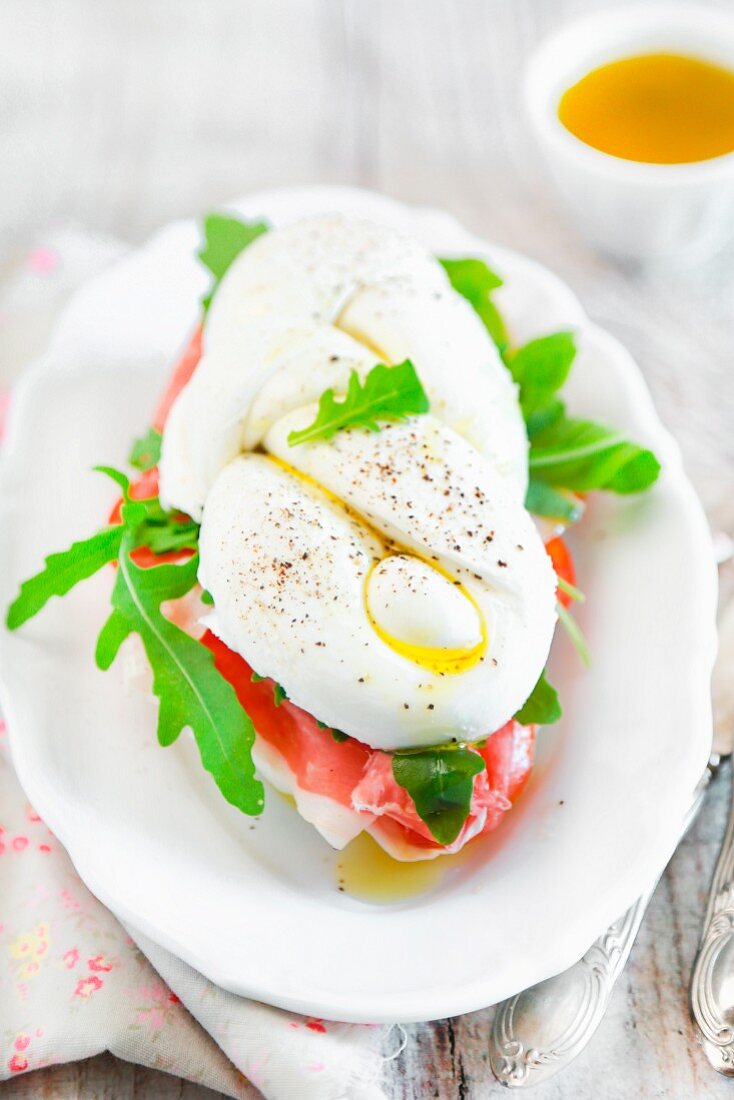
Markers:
(659, 108)
(365, 871)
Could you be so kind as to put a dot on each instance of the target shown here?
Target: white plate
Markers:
(256, 907)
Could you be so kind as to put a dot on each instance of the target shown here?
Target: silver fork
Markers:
(537, 1033)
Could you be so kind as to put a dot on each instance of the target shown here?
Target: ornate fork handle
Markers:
(712, 998)
(539, 1031)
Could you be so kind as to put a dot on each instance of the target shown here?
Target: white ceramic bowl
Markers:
(634, 211)
(255, 906)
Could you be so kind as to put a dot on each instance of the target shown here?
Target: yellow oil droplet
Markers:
(365, 871)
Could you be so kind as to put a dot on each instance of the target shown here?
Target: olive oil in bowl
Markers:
(657, 108)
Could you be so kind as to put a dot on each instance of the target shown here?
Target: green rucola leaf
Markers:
(162, 531)
(575, 634)
(571, 590)
(224, 238)
(146, 451)
(544, 500)
(186, 681)
(171, 535)
(440, 781)
(540, 368)
(537, 421)
(62, 571)
(475, 281)
(387, 393)
(583, 455)
(541, 708)
(337, 735)
(122, 481)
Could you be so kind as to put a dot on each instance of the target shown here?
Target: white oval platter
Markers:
(255, 907)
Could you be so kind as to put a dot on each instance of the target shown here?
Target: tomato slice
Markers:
(182, 373)
(562, 561)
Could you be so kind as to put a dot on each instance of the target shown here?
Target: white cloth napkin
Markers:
(73, 981)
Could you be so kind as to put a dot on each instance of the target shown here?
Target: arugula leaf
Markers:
(583, 455)
(575, 634)
(185, 679)
(571, 590)
(540, 368)
(122, 481)
(62, 571)
(171, 535)
(336, 734)
(189, 687)
(163, 531)
(280, 695)
(537, 421)
(224, 238)
(440, 781)
(153, 527)
(571, 454)
(388, 393)
(541, 708)
(544, 500)
(475, 281)
(146, 450)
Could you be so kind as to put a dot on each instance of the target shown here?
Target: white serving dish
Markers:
(256, 908)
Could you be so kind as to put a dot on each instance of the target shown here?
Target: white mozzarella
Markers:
(460, 369)
(302, 307)
(288, 567)
(227, 408)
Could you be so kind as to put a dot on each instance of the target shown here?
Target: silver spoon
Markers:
(712, 981)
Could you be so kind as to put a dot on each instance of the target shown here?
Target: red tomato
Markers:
(560, 555)
(182, 373)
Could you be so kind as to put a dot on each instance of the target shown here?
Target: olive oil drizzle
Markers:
(657, 108)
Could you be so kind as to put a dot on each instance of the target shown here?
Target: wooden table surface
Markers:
(118, 116)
